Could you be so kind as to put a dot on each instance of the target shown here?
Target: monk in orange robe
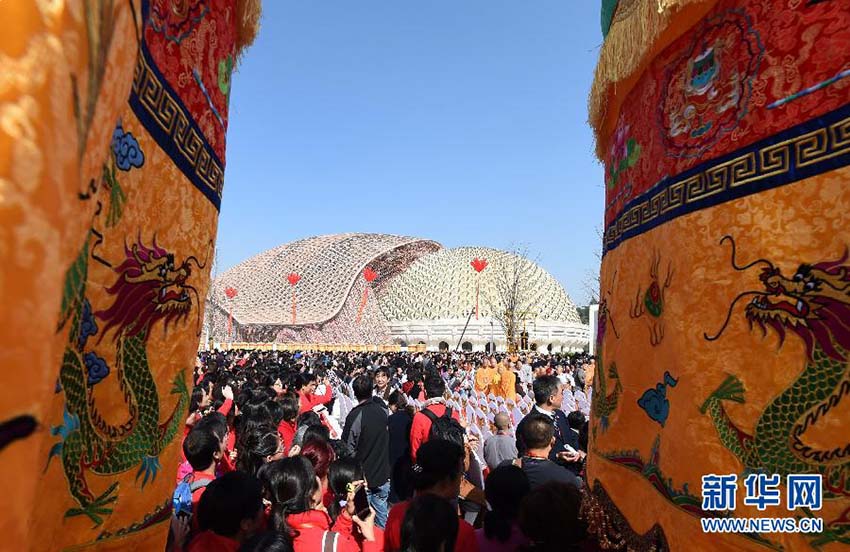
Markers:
(589, 372)
(486, 377)
(507, 382)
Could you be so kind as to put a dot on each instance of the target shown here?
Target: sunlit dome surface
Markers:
(423, 293)
(442, 285)
(328, 265)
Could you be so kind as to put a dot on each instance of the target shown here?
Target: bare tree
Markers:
(513, 302)
(592, 282)
(210, 318)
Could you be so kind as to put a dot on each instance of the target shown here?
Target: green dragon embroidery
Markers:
(814, 304)
(149, 289)
(603, 403)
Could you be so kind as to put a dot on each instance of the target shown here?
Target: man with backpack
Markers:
(202, 449)
(435, 420)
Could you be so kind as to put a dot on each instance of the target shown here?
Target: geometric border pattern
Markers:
(164, 116)
(612, 529)
(808, 149)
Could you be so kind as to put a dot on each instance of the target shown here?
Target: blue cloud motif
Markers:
(126, 149)
(654, 401)
(96, 368)
(88, 325)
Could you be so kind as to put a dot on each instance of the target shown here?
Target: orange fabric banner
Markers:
(724, 325)
(112, 123)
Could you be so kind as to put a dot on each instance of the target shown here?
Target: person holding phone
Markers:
(344, 477)
(366, 433)
(297, 511)
(548, 395)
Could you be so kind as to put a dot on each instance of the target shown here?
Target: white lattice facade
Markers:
(423, 293)
(432, 300)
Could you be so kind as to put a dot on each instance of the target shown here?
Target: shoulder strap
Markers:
(448, 412)
(430, 415)
(329, 541)
(199, 484)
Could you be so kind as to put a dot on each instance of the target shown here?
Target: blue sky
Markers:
(461, 121)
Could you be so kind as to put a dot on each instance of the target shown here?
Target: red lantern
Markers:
(293, 278)
(478, 265)
(369, 275)
(230, 292)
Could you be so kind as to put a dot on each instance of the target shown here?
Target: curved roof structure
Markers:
(441, 285)
(423, 293)
(329, 267)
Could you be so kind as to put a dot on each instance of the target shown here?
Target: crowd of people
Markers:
(385, 451)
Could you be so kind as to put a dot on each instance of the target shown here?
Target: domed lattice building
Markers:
(416, 293)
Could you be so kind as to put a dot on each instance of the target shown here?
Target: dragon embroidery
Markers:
(150, 288)
(814, 305)
(606, 403)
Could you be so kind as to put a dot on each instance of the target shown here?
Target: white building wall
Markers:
(564, 336)
(594, 329)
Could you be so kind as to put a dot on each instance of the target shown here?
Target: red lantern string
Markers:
(369, 275)
(293, 278)
(230, 292)
(478, 265)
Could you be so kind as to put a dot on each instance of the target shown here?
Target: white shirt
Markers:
(551, 414)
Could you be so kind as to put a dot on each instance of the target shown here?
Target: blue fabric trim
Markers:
(163, 138)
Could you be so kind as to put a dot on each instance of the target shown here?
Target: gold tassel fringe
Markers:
(631, 44)
(247, 23)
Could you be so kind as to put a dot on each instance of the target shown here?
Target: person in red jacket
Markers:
(437, 471)
(297, 511)
(290, 405)
(307, 392)
(199, 407)
(435, 387)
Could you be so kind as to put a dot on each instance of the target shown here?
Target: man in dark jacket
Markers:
(548, 394)
(366, 433)
(399, 423)
(538, 433)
